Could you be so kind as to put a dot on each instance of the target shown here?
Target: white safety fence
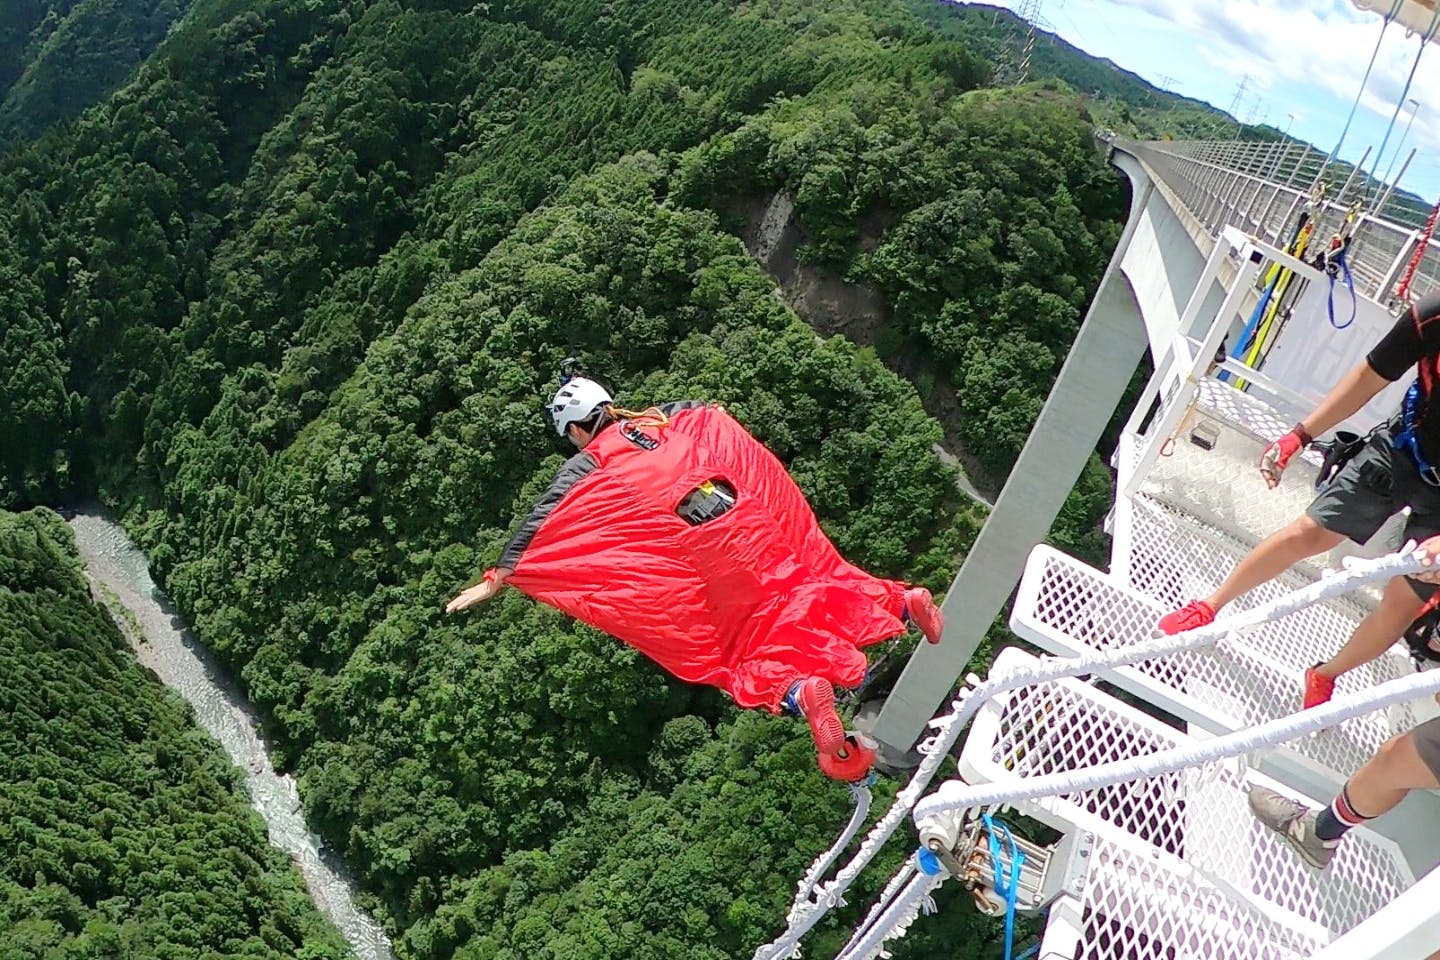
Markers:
(1380, 877)
(1140, 907)
(1069, 608)
(969, 699)
(1152, 891)
(1197, 816)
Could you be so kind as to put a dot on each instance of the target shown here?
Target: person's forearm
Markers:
(1346, 398)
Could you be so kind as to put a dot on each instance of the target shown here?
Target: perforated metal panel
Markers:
(1135, 908)
(1180, 865)
(1173, 559)
(1068, 607)
(1205, 880)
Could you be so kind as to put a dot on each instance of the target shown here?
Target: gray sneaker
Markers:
(1295, 823)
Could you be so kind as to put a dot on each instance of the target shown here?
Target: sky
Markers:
(1305, 61)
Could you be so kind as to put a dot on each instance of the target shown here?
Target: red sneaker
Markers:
(850, 764)
(920, 608)
(1196, 613)
(1318, 688)
(816, 700)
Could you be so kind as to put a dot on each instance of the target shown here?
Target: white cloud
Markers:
(1287, 49)
(1306, 59)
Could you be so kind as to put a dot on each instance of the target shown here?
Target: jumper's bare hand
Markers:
(493, 583)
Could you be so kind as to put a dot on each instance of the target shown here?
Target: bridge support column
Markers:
(1092, 381)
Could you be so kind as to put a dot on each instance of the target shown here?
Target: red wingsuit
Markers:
(749, 601)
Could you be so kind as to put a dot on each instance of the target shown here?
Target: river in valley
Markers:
(120, 574)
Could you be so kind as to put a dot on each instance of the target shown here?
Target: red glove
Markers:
(1277, 456)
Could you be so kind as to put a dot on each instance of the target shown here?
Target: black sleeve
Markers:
(1404, 345)
(574, 470)
(670, 409)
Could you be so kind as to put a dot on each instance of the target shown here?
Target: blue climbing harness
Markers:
(1407, 440)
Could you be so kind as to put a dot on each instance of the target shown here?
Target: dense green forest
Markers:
(125, 830)
(1118, 99)
(58, 57)
(291, 302)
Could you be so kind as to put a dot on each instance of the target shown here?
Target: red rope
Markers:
(1402, 292)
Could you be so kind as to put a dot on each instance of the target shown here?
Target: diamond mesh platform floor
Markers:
(1179, 868)
(1067, 607)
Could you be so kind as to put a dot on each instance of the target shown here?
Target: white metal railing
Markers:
(1197, 816)
(1408, 928)
(1179, 371)
(1262, 187)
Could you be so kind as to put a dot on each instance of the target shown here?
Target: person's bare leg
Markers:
(1399, 606)
(1273, 556)
(1395, 770)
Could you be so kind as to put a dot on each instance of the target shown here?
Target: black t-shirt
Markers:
(1414, 342)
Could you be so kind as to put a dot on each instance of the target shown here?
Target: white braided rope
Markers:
(902, 877)
(968, 702)
(1192, 781)
(861, 797)
(954, 795)
(895, 921)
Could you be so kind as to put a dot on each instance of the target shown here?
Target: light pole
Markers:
(1284, 139)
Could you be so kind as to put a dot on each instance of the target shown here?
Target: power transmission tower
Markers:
(1234, 110)
(1029, 11)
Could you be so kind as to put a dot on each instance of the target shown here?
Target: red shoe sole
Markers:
(924, 614)
(817, 702)
(850, 765)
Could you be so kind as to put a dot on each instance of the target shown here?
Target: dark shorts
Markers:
(1370, 489)
(1427, 743)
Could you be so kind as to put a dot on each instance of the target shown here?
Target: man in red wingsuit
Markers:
(679, 533)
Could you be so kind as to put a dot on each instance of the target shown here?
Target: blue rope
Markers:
(1243, 343)
(1343, 265)
(1006, 889)
(1034, 949)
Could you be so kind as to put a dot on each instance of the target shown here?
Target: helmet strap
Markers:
(595, 421)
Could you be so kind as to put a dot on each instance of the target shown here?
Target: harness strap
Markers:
(1341, 266)
(1008, 890)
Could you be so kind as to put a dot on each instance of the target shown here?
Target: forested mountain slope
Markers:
(58, 57)
(125, 831)
(292, 301)
(1117, 96)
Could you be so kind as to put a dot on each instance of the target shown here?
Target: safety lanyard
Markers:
(1339, 264)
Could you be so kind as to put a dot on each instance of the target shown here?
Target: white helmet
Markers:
(575, 402)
